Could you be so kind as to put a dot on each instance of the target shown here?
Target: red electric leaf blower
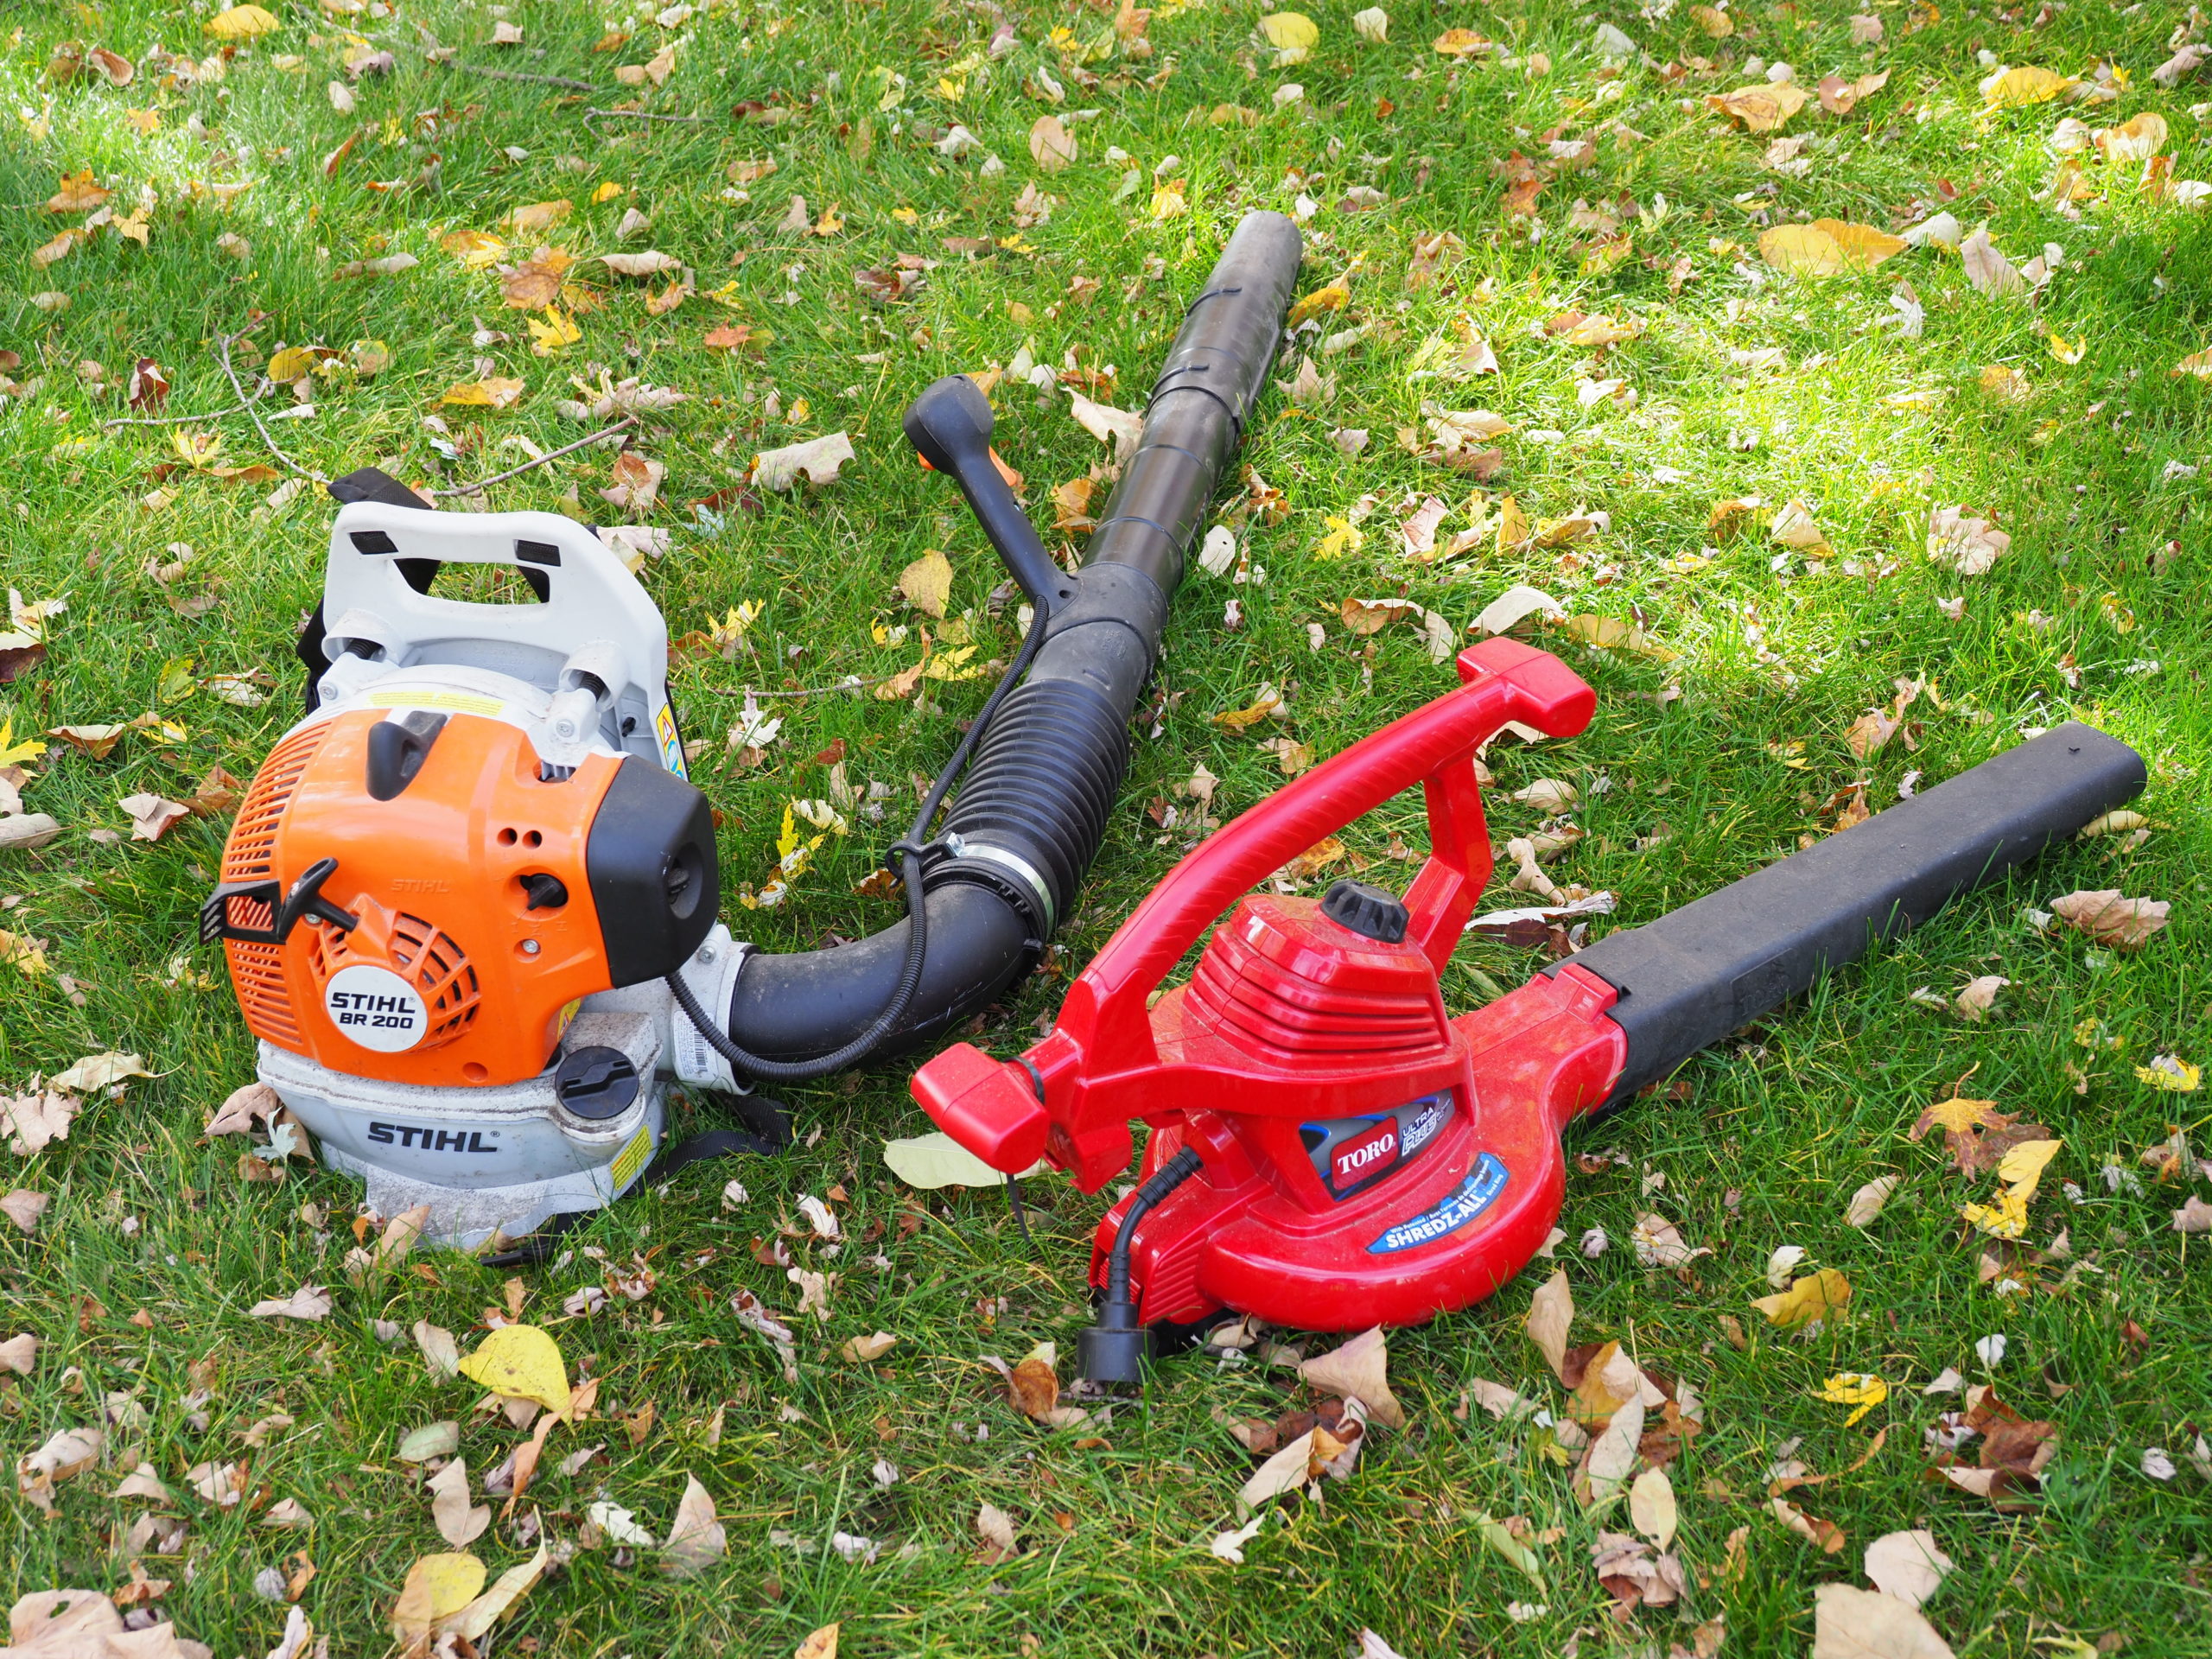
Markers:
(1329, 1148)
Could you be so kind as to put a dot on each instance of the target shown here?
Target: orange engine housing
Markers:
(435, 876)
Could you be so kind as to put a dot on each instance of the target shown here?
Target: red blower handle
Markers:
(1434, 746)
(1103, 1030)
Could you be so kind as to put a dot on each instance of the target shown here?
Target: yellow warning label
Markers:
(463, 702)
(671, 746)
(633, 1158)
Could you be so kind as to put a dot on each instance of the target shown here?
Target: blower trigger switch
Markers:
(1373, 912)
(596, 1083)
(545, 891)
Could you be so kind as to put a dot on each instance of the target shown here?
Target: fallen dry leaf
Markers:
(1866, 1203)
(151, 816)
(1908, 1566)
(458, 1522)
(1122, 428)
(696, 1540)
(97, 1072)
(1853, 1623)
(2119, 923)
(33, 1121)
(309, 1302)
(1976, 1133)
(2012, 89)
(817, 460)
(1761, 108)
(1990, 271)
(24, 1208)
(1357, 1371)
(437, 1587)
(1551, 1312)
(1051, 146)
(1826, 1533)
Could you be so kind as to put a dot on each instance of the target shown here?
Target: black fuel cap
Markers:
(596, 1083)
(1372, 912)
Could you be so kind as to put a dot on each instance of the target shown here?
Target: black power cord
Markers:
(909, 853)
(1113, 1350)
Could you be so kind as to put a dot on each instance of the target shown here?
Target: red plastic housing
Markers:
(1366, 1157)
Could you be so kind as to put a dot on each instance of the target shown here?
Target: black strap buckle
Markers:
(286, 910)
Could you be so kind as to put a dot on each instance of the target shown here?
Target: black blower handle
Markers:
(950, 426)
(1695, 975)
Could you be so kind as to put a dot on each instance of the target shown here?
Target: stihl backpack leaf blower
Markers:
(469, 902)
(1329, 1148)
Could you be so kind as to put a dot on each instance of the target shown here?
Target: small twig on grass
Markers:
(517, 74)
(551, 454)
(180, 420)
(642, 115)
(222, 342)
(805, 691)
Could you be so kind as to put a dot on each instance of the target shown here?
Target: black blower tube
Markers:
(1029, 816)
(1688, 979)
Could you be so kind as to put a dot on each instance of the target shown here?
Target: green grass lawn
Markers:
(1721, 747)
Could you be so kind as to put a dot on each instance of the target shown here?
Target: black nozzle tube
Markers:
(1034, 805)
(1688, 979)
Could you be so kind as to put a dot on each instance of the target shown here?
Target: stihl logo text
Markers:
(379, 1013)
(406, 1134)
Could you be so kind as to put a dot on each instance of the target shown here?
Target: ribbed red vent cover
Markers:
(1282, 982)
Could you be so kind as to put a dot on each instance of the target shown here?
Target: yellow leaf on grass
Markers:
(927, 582)
(1290, 31)
(556, 331)
(1826, 246)
(437, 1586)
(1812, 1297)
(2006, 1218)
(2021, 1171)
(494, 393)
(520, 1362)
(1344, 537)
(2196, 363)
(241, 23)
(1611, 634)
(1512, 524)
(78, 194)
(540, 215)
(1859, 1388)
(1331, 298)
(1763, 108)
(288, 362)
(822, 1644)
(474, 248)
(2013, 89)
(2169, 1072)
(1458, 43)
(2023, 1165)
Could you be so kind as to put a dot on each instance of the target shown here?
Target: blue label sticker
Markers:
(1473, 1196)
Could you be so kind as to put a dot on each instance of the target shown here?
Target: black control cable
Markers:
(909, 853)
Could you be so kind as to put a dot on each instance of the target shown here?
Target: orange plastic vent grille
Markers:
(249, 854)
(257, 976)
